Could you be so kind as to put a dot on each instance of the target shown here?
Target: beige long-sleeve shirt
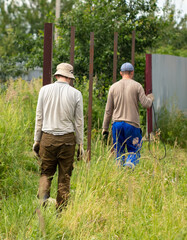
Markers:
(122, 103)
(59, 111)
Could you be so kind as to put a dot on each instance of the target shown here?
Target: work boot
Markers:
(44, 201)
(129, 165)
(132, 160)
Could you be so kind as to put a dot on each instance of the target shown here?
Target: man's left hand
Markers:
(105, 134)
(36, 148)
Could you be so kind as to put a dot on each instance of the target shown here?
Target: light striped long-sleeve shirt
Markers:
(59, 111)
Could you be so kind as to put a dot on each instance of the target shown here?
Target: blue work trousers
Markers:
(126, 135)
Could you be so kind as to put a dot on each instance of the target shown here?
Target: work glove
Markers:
(105, 135)
(151, 96)
(80, 152)
(36, 148)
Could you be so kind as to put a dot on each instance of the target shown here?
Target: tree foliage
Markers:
(105, 17)
(173, 33)
(22, 24)
(21, 34)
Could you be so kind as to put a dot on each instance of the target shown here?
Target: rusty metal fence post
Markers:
(48, 53)
(72, 47)
(148, 79)
(133, 48)
(90, 95)
(115, 56)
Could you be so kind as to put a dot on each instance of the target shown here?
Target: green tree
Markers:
(173, 33)
(104, 17)
(21, 34)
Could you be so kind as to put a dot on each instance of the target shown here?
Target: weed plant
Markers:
(107, 201)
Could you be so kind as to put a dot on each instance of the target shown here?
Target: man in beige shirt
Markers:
(59, 126)
(122, 108)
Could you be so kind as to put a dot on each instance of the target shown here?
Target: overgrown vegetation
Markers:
(18, 104)
(107, 202)
(173, 126)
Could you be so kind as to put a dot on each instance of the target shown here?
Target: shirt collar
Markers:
(61, 82)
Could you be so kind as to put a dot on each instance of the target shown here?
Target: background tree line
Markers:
(22, 25)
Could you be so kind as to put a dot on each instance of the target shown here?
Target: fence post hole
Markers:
(133, 48)
(148, 79)
(48, 53)
(115, 56)
(72, 47)
(90, 95)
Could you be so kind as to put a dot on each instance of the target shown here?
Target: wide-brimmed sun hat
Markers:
(65, 69)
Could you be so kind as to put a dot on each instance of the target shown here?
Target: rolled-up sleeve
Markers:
(39, 118)
(108, 110)
(79, 120)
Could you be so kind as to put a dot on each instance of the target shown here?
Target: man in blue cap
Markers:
(122, 108)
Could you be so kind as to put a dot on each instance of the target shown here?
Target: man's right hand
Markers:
(80, 152)
(151, 96)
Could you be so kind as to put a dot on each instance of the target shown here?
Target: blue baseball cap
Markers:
(127, 67)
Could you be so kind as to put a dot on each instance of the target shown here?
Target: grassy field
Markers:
(107, 202)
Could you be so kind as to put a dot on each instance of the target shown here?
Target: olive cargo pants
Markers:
(56, 150)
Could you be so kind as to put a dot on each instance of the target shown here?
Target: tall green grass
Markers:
(173, 125)
(17, 103)
(107, 201)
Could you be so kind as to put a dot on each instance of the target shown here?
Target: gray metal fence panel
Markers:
(169, 81)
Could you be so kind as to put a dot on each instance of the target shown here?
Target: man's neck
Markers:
(126, 77)
(60, 80)
(63, 79)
